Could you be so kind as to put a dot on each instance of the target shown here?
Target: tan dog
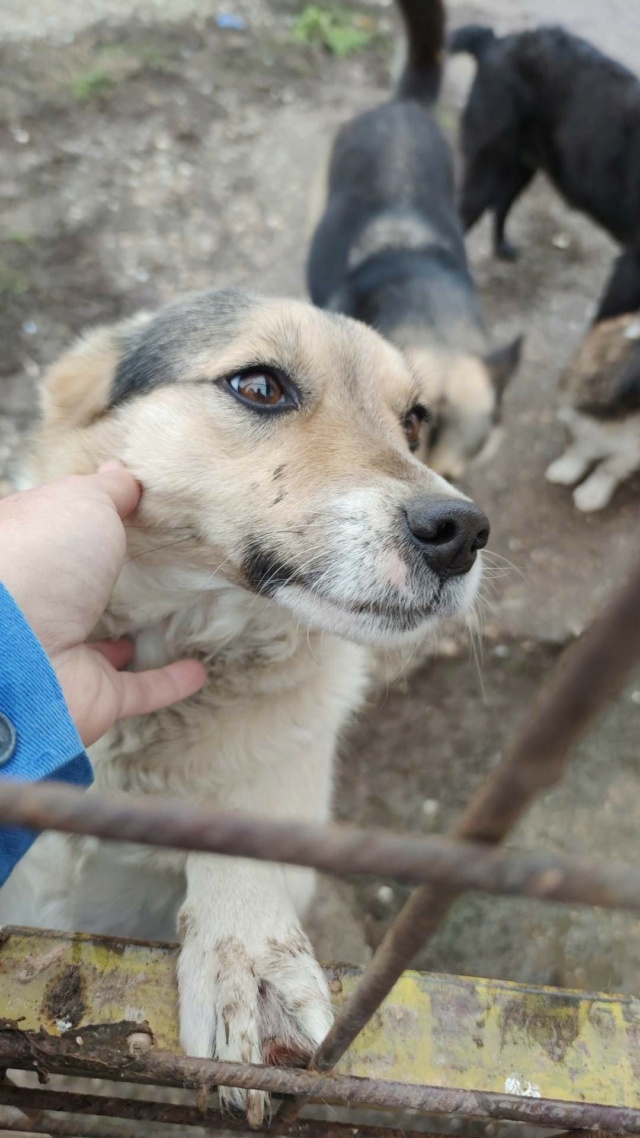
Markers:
(284, 523)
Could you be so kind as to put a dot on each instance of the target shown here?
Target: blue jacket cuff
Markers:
(47, 744)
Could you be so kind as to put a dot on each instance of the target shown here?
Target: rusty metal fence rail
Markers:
(589, 676)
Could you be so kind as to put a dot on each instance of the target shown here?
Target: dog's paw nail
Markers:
(238, 1103)
(257, 1107)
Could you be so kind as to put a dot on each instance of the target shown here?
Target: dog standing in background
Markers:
(548, 100)
(389, 251)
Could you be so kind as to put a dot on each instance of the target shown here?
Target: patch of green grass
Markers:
(89, 84)
(13, 283)
(19, 237)
(339, 31)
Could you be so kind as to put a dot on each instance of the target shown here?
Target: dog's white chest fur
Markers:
(261, 738)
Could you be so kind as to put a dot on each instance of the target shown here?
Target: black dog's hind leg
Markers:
(510, 191)
(622, 291)
(471, 208)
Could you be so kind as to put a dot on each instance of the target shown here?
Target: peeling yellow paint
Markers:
(446, 1031)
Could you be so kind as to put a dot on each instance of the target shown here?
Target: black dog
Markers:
(389, 250)
(547, 100)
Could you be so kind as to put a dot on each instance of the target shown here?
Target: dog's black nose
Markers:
(449, 531)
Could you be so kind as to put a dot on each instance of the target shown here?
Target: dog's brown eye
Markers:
(259, 387)
(411, 425)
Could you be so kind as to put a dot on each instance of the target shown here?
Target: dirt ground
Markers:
(144, 151)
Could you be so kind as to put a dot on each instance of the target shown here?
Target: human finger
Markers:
(119, 653)
(119, 483)
(142, 692)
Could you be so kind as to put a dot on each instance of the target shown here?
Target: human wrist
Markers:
(21, 590)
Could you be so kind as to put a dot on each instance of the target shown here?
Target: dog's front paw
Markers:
(261, 1002)
(595, 493)
(566, 470)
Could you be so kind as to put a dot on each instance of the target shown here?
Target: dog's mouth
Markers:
(373, 609)
(270, 576)
(372, 622)
(392, 612)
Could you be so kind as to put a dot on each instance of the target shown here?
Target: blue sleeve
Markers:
(45, 742)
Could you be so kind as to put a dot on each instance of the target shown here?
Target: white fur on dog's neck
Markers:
(249, 644)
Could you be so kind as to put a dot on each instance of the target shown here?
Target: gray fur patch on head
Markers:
(154, 354)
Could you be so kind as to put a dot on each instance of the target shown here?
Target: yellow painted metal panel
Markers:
(446, 1031)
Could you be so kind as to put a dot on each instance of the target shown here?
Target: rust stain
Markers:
(64, 999)
(603, 1020)
(554, 1027)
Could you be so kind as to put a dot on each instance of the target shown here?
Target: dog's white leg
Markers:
(250, 987)
(598, 490)
(571, 466)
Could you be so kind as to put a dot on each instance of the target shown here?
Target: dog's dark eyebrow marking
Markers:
(265, 570)
(278, 472)
(154, 354)
(282, 494)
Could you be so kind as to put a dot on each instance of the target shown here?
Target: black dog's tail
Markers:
(474, 39)
(425, 22)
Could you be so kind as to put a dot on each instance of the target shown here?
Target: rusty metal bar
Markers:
(90, 1127)
(585, 1134)
(104, 1126)
(331, 849)
(107, 1127)
(114, 1052)
(590, 674)
(158, 1116)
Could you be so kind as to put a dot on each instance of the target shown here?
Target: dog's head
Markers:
(276, 444)
(464, 395)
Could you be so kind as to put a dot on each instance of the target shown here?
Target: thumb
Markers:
(118, 482)
(141, 692)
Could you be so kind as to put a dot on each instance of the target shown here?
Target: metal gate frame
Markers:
(590, 674)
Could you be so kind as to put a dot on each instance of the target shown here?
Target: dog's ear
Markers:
(502, 363)
(76, 388)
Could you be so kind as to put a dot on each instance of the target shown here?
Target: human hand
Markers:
(62, 547)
